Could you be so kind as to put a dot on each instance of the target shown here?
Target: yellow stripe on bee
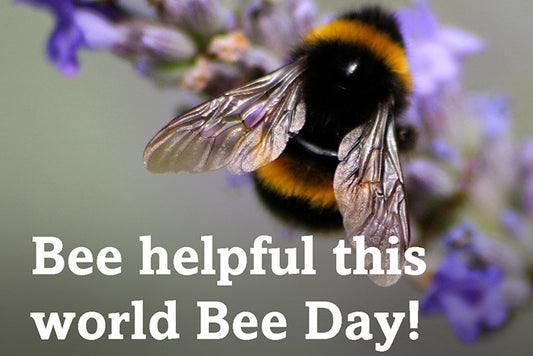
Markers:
(353, 31)
(290, 178)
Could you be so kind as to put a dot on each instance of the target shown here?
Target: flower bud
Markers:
(201, 17)
(303, 16)
(167, 43)
(264, 24)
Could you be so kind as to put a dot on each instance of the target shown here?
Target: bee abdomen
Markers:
(305, 198)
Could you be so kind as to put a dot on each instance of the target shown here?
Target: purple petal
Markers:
(432, 65)
(98, 32)
(492, 109)
(62, 48)
(513, 222)
(417, 21)
(443, 150)
(459, 42)
(460, 235)
(462, 318)
(78, 25)
(428, 177)
(203, 17)
(470, 298)
(303, 14)
(265, 24)
(237, 181)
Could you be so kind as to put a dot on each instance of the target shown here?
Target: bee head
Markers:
(345, 79)
(352, 65)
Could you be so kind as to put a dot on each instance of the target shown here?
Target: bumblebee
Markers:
(318, 133)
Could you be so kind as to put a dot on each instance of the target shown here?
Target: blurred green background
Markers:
(71, 167)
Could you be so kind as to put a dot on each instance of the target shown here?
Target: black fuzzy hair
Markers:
(337, 100)
(297, 210)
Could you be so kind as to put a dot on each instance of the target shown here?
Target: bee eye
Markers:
(351, 67)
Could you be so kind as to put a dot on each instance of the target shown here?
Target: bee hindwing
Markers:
(369, 189)
(244, 129)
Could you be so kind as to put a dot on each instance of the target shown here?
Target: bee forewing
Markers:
(369, 189)
(243, 129)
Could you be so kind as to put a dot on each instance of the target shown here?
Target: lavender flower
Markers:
(476, 283)
(492, 110)
(78, 26)
(435, 53)
(469, 240)
(470, 298)
(204, 18)
(303, 16)
(469, 166)
(264, 21)
(105, 25)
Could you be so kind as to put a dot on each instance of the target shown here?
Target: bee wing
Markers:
(369, 189)
(243, 129)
